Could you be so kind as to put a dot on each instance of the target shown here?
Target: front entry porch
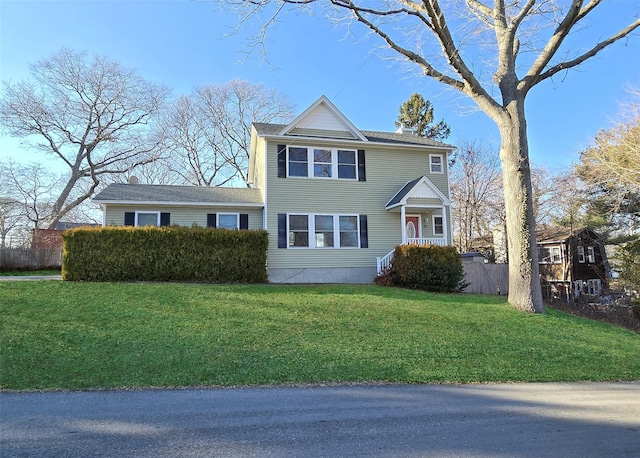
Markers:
(422, 209)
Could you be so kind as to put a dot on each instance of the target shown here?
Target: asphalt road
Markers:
(504, 420)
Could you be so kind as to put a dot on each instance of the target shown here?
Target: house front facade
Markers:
(334, 199)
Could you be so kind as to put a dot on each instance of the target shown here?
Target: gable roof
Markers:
(562, 234)
(372, 136)
(420, 188)
(125, 193)
(323, 115)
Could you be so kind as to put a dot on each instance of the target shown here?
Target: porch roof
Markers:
(420, 188)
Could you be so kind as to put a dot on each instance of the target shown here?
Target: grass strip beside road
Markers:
(63, 335)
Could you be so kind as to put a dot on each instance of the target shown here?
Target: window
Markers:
(298, 162)
(348, 231)
(549, 255)
(435, 163)
(324, 231)
(591, 255)
(347, 164)
(328, 231)
(581, 258)
(324, 163)
(228, 220)
(438, 225)
(147, 219)
(298, 231)
(593, 287)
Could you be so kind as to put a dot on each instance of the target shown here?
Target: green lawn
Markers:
(82, 335)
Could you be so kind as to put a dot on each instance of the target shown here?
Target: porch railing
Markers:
(425, 241)
(384, 262)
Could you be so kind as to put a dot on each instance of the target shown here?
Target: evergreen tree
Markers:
(417, 113)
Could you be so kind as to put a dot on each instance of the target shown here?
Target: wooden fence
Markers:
(30, 258)
(486, 278)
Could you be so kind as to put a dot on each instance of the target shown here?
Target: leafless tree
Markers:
(523, 42)
(91, 114)
(209, 132)
(476, 193)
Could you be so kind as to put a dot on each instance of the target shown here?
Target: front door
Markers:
(412, 227)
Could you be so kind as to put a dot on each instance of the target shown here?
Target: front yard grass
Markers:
(67, 335)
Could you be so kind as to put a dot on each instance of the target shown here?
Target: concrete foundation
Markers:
(333, 275)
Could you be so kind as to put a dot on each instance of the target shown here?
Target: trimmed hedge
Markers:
(173, 253)
(425, 267)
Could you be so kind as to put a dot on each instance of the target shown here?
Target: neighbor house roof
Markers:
(183, 195)
(391, 138)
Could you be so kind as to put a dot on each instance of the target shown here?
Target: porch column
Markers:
(402, 218)
(444, 225)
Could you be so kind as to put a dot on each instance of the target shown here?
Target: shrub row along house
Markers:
(334, 199)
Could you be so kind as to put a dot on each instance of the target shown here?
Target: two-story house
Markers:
(334, 199)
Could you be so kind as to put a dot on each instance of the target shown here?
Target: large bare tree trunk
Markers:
(525, 292)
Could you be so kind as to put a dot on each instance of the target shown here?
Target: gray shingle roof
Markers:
(372, 136)
(403, 192)
(121, 192)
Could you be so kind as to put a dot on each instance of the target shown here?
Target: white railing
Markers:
(384, 262)
(424, 241)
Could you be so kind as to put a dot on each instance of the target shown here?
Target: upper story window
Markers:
(436, 163)
(322, 162)
(549, 255)
(591, 255)
(581, 257)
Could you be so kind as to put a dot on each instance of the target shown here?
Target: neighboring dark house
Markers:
(52, 238)
(571, 260)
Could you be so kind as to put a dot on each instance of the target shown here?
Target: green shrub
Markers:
(164, 254)
(429, 268)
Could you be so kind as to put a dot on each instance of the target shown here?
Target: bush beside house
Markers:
(425, 267)
(165, 254)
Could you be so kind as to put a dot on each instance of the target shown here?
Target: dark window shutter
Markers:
(362, 172)
(211, 220)
(282, 161)
(244, 221)
(282, 230)
(364, 232)
(129, 218)
(165, 219)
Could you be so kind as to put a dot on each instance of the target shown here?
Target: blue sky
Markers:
(184, 44)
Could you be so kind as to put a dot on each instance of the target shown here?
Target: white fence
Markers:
(27, 258)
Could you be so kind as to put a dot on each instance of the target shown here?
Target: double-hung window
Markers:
(316, 162)
(591, 255)
(581, 257)
(435, 163)
(322, 163)
(298, 162)
(347, 167)
(438, 225)
(327, 231)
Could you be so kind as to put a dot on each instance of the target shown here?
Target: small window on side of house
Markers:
(435, 163)
(591, 255)
(555, 255)
(581, 257)
(438, 225)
